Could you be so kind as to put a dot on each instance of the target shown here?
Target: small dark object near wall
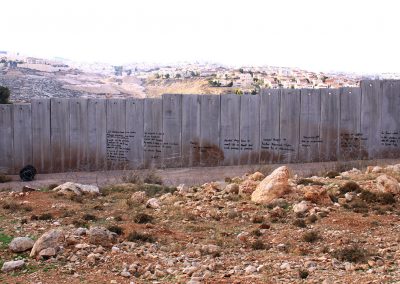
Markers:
(28, 173)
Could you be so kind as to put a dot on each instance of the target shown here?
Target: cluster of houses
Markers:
(249, 78)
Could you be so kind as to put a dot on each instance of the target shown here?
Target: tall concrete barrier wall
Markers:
(276, 126)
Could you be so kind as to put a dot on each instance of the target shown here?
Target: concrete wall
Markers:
(277, 126)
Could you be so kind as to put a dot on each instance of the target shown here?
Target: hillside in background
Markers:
(29, 77)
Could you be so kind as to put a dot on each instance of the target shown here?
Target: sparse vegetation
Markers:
(332, 174)
(137, 236)
(152, 178)
(353, 253)
(4, 95)
(89, 217)
(303, 274)
(116, 229)
(4, 178)
(45, 216)
(143, 218)
(132, 177)
(299, 223)
(257, 245)
(350, 186)
(4, 240)
(311, 236)
(206, 225)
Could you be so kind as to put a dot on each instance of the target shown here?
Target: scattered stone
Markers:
(12, 265)
(125, 274)
(101, 236)
(301, 207)
(257, 176)
(80, 231)
(21, 244)
(285, 266)
(273, 186)
(316, 194)
(387, 184)
(51, 239)
(26, 188)
(139, 197)
(232, 188)
(248, 187)
(250, 269)
(349, 196)
(210, 249)
(77, 189)
(350, 173)
(47, 252)
(153, 203)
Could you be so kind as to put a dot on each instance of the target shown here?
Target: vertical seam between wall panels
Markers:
(220, 125)
(240, 129)
(299, 128)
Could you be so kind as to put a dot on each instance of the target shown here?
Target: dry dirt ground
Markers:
(209, 233)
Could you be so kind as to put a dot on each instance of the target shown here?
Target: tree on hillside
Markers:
(4, 95)
(238, 92)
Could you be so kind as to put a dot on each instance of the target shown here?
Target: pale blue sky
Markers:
(344, 35)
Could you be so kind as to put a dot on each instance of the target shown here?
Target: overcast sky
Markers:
(341, 35)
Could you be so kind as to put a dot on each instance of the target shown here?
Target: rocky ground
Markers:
(257, 228)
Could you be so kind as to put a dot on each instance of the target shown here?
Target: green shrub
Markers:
(299, 223)
(156, 189)
(352, 253)
(257, 245)
(312, 218)
(257, 219)
(5, 240)
(311, 236)
(143, 218)
(132, 177)
(80, 224)
(45, 216)
(256, 233)
(350, 186)
(152, 178)
(116, 229)
(4, 95)
(136, 236)
(4, 178)
(89, 217)
(303, 274)
(332, 174)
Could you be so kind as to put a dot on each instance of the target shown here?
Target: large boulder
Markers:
(21, 244)
(101, 236)
(51, 239)
(12, 265)
(273, 186)
(387, 184)
(77, 189)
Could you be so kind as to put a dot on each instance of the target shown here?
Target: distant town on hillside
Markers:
(28, 77)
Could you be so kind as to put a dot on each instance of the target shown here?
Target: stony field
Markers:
(342, 227)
